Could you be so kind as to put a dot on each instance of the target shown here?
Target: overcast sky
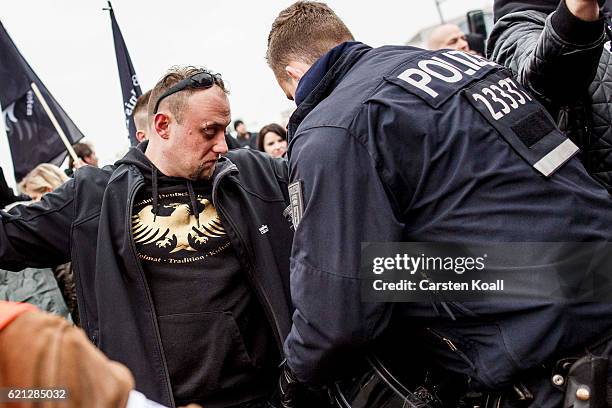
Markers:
(69, 45)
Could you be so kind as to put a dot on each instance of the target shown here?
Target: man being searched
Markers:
(399, 144)
(180, 255)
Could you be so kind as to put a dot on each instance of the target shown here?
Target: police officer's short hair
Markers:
(304, 31)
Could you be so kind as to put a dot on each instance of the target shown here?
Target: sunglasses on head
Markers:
(202, 80)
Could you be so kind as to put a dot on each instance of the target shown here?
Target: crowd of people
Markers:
(206, 269)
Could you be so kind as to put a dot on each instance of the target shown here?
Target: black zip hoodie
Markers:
(219, 347)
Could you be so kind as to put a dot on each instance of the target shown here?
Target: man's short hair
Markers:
(177, 101)
(237, 123)
(141, 103)
(140, 113)
(304, 32)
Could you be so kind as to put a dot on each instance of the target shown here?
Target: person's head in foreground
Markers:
(188, 113)
(43, 179)
(272, 139)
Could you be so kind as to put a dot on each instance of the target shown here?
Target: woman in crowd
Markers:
(42, 180)
(272, 139)
(37, 286)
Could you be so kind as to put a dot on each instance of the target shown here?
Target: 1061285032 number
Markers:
(33, 394)
(505, 96)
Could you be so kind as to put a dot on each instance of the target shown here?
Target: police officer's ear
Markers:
(296, 70)
(294, 73)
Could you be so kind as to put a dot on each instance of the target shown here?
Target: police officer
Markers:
(401, 144)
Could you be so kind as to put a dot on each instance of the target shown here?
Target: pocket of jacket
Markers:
(204, 352)
(449, 345)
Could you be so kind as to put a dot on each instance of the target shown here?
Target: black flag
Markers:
(31, 135)
(129, 81)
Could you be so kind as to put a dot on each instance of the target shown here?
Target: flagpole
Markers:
(130, 87)
(57, 126)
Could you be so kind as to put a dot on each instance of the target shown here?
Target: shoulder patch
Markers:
(296, 198)
(521, 122)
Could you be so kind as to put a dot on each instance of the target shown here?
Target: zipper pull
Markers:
(450, 344)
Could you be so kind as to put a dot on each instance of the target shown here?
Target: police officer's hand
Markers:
(288, 387)
(587, 10)
(294, 394)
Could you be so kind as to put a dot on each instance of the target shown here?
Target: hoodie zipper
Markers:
(153, 317)
(261, 294)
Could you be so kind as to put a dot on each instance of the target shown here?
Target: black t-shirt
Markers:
(218, 344)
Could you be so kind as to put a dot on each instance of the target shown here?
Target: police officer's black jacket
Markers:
(386, 150)
(562, 60)
(88, 221)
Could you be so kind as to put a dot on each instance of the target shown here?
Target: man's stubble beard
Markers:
(202, 172)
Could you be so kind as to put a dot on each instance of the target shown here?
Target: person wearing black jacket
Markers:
(244, 138)
(556, 50)
(7, 196)
(181, 256)
(399, 144)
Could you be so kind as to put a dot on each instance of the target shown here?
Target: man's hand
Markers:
(587, 10)
(79, 163)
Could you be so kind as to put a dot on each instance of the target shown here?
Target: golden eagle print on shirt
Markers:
(175, 227)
